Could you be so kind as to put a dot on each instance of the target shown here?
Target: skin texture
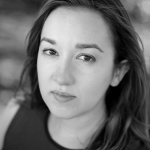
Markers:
(66, 65)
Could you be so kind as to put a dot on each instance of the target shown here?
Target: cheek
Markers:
(40, 71)
(45, 67)
(43, 72)
(94, 86)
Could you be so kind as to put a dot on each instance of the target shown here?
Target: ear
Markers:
(120, 72)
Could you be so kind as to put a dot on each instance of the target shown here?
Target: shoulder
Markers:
(9, 110)
(6, 116)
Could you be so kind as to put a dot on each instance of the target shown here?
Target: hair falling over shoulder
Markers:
(128, 103)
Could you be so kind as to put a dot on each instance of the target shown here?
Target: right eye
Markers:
(50, 52)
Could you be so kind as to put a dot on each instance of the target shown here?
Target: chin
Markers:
(62, 113)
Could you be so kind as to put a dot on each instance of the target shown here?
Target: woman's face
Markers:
(75, 62)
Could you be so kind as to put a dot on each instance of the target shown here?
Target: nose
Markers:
(63, 74)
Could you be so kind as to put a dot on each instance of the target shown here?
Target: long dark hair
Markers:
(127, 104)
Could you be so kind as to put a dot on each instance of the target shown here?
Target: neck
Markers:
(76, 132)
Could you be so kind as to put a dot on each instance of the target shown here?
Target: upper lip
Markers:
(62, 93)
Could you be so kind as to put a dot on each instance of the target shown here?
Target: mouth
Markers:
(62, 97)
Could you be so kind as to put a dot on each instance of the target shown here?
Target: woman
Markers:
(88, 82)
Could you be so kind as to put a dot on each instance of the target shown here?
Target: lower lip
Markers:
(63, 99)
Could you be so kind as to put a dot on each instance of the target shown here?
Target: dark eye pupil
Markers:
(52, 52)
(87, 58)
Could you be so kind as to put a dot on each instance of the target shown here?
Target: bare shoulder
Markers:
(6, 116)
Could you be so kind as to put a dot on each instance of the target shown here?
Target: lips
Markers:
(62, 96)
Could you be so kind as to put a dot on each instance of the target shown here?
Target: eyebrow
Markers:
(53, 42)
(78, 46)
(84, 46)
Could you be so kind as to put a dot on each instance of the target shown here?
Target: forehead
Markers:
(82, 23)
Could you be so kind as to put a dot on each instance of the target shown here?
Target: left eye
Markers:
(50, 52)
(87, 58)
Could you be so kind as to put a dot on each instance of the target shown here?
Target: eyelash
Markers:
(90, 57)
(45, 52)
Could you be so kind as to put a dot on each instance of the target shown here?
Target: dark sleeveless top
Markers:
(28, 131)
